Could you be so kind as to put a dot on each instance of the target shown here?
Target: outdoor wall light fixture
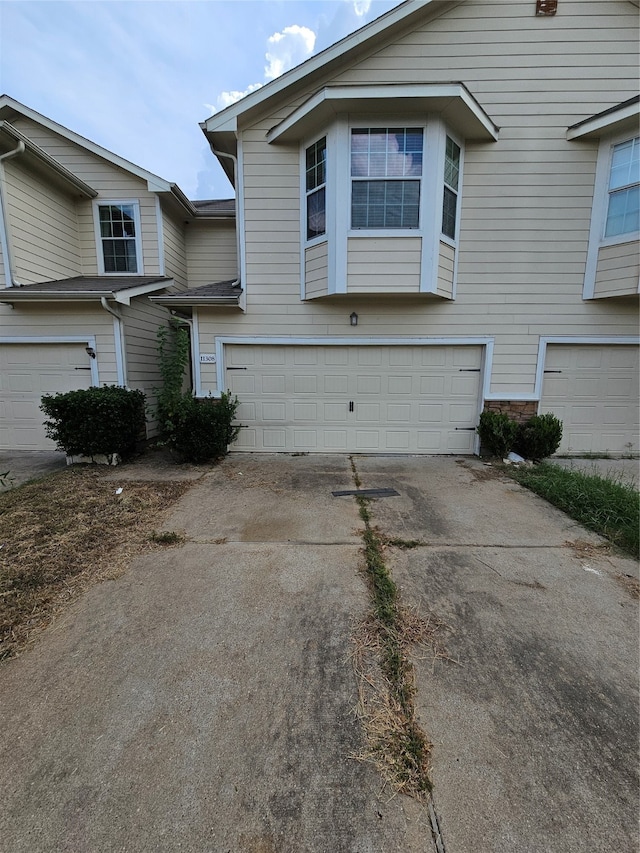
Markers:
(90, 352)
(353, 318)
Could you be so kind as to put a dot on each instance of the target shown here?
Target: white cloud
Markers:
(361, 7)
(225, 99)
(288, 48)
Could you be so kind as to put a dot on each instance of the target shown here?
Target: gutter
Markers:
(121, 356)
(5, 243)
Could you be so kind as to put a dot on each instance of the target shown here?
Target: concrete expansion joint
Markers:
(435, 827)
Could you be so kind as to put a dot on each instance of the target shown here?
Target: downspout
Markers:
(232, 157)
(121, 356)
(5, 243)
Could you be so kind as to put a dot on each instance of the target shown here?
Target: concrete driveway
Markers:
(205, 700)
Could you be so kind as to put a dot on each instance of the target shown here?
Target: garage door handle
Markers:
(468, 370)
(82, 368)
(466, 429)
(351, 406)
(552, 371)
(236, 368)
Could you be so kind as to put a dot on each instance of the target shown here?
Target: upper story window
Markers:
(316, 180)
(386, 173)
(451, 181)
(118, 228)
(623, 211)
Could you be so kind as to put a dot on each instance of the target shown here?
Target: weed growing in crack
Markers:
(398, 746)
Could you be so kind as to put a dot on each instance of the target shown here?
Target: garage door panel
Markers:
(361, 402)
(597, 389)
(27, 371)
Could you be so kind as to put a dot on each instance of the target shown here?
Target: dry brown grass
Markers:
(387, 730)
(630, 584)
(63, 533)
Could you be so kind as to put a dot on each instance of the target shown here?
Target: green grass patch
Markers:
(608, 507)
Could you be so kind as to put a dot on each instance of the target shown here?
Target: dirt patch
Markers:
(584, 550)
(62, 534)
(630, 584)
(481, 475)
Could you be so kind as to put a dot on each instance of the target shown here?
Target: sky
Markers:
(137, 76)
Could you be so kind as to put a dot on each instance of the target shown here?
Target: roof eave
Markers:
(180, 301)
(616, 118)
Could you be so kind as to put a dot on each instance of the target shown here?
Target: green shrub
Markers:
(173, 403)
(95, 421)
(497, 433)
(203, 429)
(539, 437)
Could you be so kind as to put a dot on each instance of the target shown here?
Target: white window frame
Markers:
(135, 205)
(600, 208)
(319, 238)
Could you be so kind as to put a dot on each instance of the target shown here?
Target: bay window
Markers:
(316, 195)
(623, 208)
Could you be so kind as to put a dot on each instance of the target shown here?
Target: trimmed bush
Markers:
(497, 433)
(539, 437)
(203, 429)
(95, 421)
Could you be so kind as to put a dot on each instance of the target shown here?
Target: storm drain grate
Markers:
(368, 493)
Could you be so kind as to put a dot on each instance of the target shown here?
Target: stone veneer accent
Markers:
(519, 410)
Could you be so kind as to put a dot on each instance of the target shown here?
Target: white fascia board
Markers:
(124, 297)
(443, 97)
(607, 123)
(96, 149)
(221, 120)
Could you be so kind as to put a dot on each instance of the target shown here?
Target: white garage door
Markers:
(27, 371)
(593, 389)
(392, 399)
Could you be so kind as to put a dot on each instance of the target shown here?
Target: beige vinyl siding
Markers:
(446, 266)
(618, 270)
(383, 264)
(42, 225)
(175, 251)
(141, 321)
(526, 200)
(212, 253)
(112, 184)
(315, 270)
(48, 320)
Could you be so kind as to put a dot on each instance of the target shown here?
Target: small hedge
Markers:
(497, 433)
(202, 430)
(95, 421)
(537, 438)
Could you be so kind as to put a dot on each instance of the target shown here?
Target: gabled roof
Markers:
(223, 208)
(80, 287)
(9, 107)
(71, 182)
(358, 42)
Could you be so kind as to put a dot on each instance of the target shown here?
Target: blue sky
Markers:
(136, 76)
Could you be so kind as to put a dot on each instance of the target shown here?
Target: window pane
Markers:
(452, 164)
(380, 152)
(316, 214)
(623, 216)
(625, 164)
(449, 206)
(316, 162)
(385, 204)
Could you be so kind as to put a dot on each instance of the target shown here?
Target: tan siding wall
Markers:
(175, 250)
(383, 264)
(141, 322)
(618, 270)
(315, 270)
(61, 319)
(526, 200)
(446, 264)
(43, 227)
(211, 252)
(111, 182)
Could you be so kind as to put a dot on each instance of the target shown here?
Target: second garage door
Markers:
(593, 389)
(362, 399)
